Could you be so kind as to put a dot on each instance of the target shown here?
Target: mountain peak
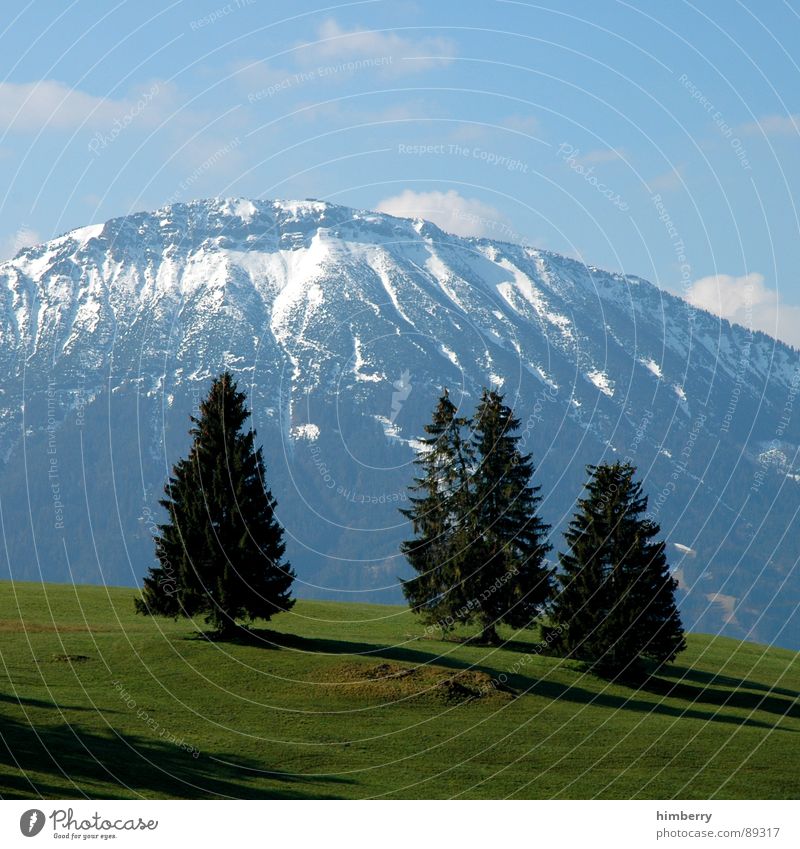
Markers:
(323, 310)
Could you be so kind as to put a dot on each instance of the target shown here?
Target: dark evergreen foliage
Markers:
(439, 504)
(616, 601)
(479, 547)
(511, 577)
(220, 552)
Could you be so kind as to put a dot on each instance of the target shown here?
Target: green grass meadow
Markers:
(354, 701)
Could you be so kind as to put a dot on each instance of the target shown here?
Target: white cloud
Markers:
(49, 104)
(603, 154)
(463, 133)
(522, 124)
(747, 301)
(348, 115)
(336, 56)
(31, 106)
(24, 237)
(452, 212)
(670, 181)
(774, 125)
(337, 44)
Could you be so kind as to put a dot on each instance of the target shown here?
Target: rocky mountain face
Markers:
(342, 326)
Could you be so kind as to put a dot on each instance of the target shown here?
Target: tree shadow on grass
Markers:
(26, 702)
(691, 695)
(544, 687)
(737, 697)
(699, 676)
(63, 761)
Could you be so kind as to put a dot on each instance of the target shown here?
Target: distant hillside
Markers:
(343, 325)
(350, 700)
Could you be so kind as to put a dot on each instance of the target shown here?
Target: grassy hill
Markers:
(351, 700)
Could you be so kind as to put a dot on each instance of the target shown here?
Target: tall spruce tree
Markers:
(508, 580)
(439, 503)
(221, 550)
(479, 547)
(616, 601)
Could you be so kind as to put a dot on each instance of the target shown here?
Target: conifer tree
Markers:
(616, 600)
(438, 506)
(509, 579)
(479, 547)
(221, 551)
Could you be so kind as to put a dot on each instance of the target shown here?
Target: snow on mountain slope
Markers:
(343, 325)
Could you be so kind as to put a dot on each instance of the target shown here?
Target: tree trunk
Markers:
(224, 626)
(489, 635)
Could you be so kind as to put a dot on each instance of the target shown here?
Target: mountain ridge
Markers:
(342, 325)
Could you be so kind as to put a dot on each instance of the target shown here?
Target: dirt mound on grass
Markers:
(393, 682)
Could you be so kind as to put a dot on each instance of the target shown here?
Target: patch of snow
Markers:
(360, 362)
(84, 234)
(602, 381)
(314, 295)
(451, 355)
(296, 208)
(391, 430)
(37, 266)
(381, 264)
(653, 367)
(773, 457)
(305, 431)
(88, 316)
(244, 209)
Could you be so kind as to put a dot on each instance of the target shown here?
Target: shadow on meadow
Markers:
(694, 691)
(737, 693)
(26, 702)
(701, 677)
(74, 761)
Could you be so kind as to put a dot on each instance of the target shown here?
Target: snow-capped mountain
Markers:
(342, 326)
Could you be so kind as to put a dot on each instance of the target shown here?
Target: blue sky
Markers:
(658, 139)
